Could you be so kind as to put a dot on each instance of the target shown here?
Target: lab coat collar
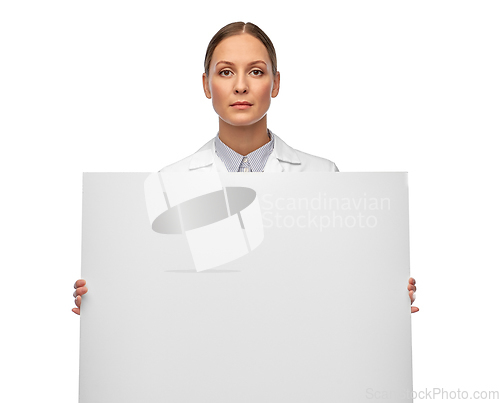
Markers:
(282, 152)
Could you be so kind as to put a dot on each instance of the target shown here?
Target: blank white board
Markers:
(300, 295)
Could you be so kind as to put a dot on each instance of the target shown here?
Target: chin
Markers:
(241, 122)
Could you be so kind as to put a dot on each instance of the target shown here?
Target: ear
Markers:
(276, 85)
(206, 86)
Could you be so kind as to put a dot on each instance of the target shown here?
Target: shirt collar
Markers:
(205, 155)
(256, 159)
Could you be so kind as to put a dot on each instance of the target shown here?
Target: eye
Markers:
(224, 71)
(259, 71)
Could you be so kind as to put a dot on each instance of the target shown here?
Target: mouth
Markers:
(241, 105)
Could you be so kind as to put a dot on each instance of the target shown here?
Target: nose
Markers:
(241, 86)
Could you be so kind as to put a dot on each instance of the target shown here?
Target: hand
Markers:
(80, 290)
(412, 290)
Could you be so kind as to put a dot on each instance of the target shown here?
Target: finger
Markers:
(76, 310)
(414, 309)
(413, 281)
(79, 283)
(80, 291)
(412, 296)
(411, 287)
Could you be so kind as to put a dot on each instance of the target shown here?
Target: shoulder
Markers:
(290, 159)
(179, 166)
(200, 158)
(300, 161)
(313, 163)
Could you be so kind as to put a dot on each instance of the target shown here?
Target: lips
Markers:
(242, 103)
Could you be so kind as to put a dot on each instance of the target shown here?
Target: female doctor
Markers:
(240, 78)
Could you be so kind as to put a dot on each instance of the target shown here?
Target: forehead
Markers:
(241, 48)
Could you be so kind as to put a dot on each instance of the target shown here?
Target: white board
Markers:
(309, 303)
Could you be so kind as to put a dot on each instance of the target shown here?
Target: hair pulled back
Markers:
(238, 28)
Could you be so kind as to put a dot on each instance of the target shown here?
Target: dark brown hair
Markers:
(237, 28)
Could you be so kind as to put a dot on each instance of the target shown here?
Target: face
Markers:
(241, 70)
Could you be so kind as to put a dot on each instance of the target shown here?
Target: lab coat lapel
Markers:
(282, 156)
(273, 164)
(203, 159)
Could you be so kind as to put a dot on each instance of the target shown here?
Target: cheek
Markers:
(264, 91)
(219, 91)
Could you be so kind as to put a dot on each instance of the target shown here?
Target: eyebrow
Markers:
(250, 64)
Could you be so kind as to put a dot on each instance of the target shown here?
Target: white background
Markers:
(371, 85)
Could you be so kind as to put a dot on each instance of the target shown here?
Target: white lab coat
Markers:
(283, 159)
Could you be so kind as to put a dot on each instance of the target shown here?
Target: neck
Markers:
(244, 139)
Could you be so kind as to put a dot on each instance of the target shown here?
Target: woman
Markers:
(241, 77)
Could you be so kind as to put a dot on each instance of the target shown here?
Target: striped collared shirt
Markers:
(253, 162)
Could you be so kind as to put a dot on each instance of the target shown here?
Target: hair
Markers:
(238, 28)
